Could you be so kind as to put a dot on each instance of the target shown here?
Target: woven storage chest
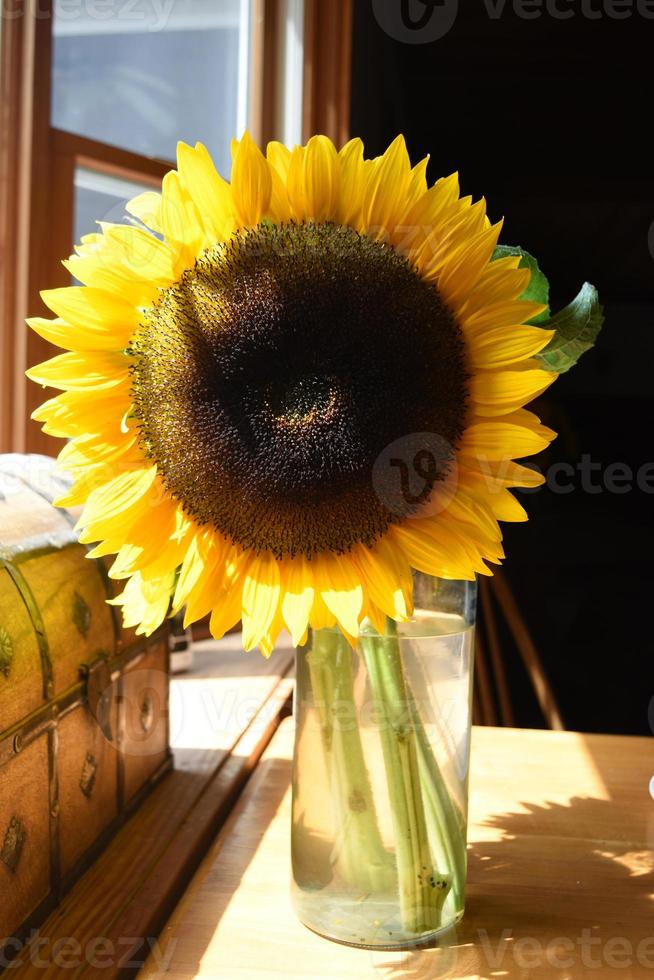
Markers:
(83, 703)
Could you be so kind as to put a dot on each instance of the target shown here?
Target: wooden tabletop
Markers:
(561, 880)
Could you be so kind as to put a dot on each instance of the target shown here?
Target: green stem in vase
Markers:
(446, 823)
(360, 854)
(422, 887)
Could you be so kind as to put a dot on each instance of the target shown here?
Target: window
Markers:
(153, 75)
(100, 196)
(95, 94)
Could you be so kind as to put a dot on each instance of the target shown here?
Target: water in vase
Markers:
(365, 870)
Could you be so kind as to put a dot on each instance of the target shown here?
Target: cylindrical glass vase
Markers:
(380, 774)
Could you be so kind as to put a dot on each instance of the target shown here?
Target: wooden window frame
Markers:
(327, 69)
(38, 164)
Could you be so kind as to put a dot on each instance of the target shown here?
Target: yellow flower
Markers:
(309, 382)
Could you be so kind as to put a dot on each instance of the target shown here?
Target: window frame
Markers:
(38, 162)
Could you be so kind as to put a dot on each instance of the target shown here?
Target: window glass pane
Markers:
(99, 197)
(141, 74)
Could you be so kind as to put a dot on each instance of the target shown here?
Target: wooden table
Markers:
(560, 881)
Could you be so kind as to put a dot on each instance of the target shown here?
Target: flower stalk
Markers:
(359, 854)
(445, 821)
(428, 867)
(410, 768)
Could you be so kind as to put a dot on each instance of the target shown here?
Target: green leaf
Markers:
(538, 290)
(577, 327)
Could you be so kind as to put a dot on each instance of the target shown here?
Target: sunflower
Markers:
(254, 368)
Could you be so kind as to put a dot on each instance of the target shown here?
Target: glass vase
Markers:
(380, 773)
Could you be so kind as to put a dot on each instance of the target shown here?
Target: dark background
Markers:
(551, 120)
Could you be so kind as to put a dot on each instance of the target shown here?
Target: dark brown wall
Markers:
(550, 120)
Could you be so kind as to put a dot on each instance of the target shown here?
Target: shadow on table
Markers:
(543, 903)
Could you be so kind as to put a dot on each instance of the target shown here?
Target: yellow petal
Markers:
(88, 480)
(504, 345)
(118, 495)
(436, 242)
(493, 489)
(75, 413)
(145, 602)
(350, 199)
(321, 179)
(162, 540)
(88, 449)
(460, 273)
(337, 581)
(154, 544)
(500, 282)
(377, 617)
(132, 601)
(268, 642)
(102, 269)
(499, 392)
(321, 617)
(464, 508)
(491, 476)
(502, 314)
(417, 182)
(298, 596)
(460, 536)
(146, 255)
(94, 311)
(427, 211)
(146, 207)
(62, 334)
(115, 528)
(387, 576)
(523, 416)
(506, 507)
(77, 371)
(448, 240)
(200, 559)
(279, 158)
(180, 221)
(251, 182)
(426, 554)
(210, 193)
(475, 557)
(500, 439)
(261, 591)
(422, 228)
(227, 610)
(203, 597)
(386, 194)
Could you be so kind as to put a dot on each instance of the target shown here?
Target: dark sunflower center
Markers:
(271, 379)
